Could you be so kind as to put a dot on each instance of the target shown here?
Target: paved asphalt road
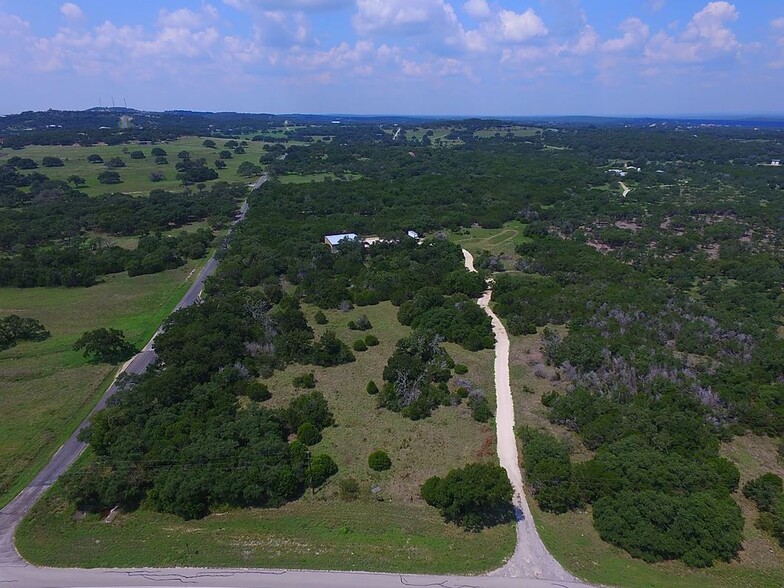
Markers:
(14, 571)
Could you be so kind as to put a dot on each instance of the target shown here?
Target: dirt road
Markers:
(531, 558)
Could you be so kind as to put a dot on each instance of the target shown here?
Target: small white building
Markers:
(333, 240)
(413, 235)
(776, 162)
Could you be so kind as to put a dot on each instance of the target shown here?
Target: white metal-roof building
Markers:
(333, 240)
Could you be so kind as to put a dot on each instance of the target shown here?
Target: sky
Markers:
(405, 57)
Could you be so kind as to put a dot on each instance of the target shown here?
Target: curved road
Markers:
(528, 568)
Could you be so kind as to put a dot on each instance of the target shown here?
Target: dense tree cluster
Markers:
(198, 449)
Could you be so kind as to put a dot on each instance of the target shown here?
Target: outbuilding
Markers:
(333, 240)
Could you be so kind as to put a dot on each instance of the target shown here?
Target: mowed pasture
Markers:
(497, 242)
(136, 174)
(47, 388)
(389, 530)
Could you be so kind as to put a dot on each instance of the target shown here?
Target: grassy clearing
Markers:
(310, 178)
(499, 242)
(507, 130)
(48, 387)
(574, 542)
(400, 533)
(136, 174)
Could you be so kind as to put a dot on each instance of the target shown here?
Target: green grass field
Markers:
(136, 174)
(48, 387)
(499, 242)
(400, 533)
(309, 178)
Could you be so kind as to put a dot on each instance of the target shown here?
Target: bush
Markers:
(305, 381)
(94, 158)
(476, 496)
(349, 489)
(308, 434)
(320, 318)
(322, 466)
(330, 351)
(372, 389)
(461, 369)
(257, 391)
(379, 461)
(764, 490)
(361, 324)
(359, 345)
(371, 340)
(480, 409)
(109, 177)
(137, 155)
(158, 152)
(52, 162)
(308, 408)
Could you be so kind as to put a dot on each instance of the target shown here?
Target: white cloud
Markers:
(706, 37)
(289, 5)
(71, 11)
(403, 17)
(519, 27)
(185, 18)
(635, 33)
(777, 23)
(477, 9)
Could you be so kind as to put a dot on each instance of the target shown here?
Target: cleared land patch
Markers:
(392, 530)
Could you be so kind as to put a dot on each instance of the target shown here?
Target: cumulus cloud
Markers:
(185, 18)
(635, 32)
(477, 9)
(706, 37)
(290, 5)
(71, 11)
(403, 17)
(519, 27)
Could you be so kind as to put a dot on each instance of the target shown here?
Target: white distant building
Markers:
(776, 162)
(413, 234)
(333, 240)
(617, 172)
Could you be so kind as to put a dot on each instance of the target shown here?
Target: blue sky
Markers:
(438, 57)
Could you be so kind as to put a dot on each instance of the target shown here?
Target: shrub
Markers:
(475, 496)
(480, 409)
(359, 345)
(158, 152)
(461, 369)
(361, 324)
(94, 158)
(320, 318)
(257, 391)
(379, 461)
(372, 389)
(764, 490)
(109, 177)
(349, 489)
(330, 351)
(322, 466)
(308, 434)
(305, 381)
(137, 155)
(371, 340)
(50, 161)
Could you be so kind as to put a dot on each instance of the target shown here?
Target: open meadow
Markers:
(49, 387)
